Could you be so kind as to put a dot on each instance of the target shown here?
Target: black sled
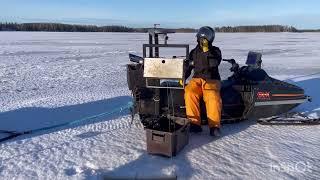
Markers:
(249, 93)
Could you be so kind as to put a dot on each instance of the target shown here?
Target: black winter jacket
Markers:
(205, 64)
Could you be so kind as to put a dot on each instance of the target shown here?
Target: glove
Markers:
(181, 82)
(234, 67)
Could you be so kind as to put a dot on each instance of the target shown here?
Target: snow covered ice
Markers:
(52, 78)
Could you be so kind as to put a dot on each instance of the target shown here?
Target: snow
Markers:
(52, 78)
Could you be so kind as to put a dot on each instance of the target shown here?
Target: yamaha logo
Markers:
(263, 95)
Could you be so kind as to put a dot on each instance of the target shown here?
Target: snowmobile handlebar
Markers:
(235, 65)
(231, 61)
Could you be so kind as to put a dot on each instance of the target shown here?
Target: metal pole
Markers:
(156, 99)
(156, 41)
(150, 48)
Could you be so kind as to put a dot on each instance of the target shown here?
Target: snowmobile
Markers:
(248, 93)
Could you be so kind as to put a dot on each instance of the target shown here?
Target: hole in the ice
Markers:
(70, 171)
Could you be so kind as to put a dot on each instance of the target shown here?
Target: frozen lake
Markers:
(36, 67)
(49, 78)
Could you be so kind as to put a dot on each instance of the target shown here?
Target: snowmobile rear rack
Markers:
(154, 38)
(151, 46)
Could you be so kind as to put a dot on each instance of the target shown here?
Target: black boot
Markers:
(195, 128)
(214, 131)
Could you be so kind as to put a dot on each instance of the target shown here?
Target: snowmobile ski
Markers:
(290, 119)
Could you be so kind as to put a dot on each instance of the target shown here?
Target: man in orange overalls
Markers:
(205, 83)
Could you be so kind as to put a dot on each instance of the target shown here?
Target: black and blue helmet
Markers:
(206, 32)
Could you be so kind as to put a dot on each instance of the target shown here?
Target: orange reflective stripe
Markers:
(287, 95)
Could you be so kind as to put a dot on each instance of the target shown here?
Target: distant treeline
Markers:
(264, 28)
(58, 27)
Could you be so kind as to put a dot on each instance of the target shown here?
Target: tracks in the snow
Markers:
(65, 138)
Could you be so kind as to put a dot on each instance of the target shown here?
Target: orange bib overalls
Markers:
(209, 90)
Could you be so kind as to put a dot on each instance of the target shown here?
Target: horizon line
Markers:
(145, 27)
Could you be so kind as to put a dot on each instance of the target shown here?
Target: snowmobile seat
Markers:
(253, 74)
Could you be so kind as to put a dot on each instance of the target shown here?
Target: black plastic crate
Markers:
(168, 143)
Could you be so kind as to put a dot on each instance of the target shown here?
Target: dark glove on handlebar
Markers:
(235, 67)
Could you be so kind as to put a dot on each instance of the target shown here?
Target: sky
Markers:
(303, 14)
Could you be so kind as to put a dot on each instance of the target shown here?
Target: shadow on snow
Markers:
(149, 166)
(156, 166)
(32, 118)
